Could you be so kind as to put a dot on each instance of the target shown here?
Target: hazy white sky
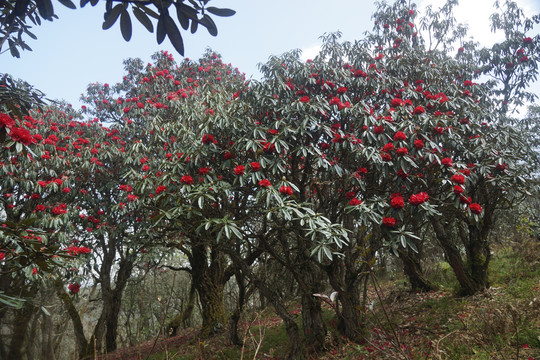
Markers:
(73, 51)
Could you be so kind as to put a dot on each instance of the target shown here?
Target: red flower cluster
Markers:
(264, 183)
(355, 202)
(396, 201)
(304, 99)
(208, 139)
(126, 188)
(389, 222)
(400, 136)
(74, 288)
(6, 120)
(447, 162)
(417, 199)
(458, 179)
(419, 110)
(402, 151)
(239, 170)
(21, 135)
(186, 179)
(475, 208)
(59, 209)
(160, 189)
(255, 166)
(204, 170)
(75, 250)
(287, 190)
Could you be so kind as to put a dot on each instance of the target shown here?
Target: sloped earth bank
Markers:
(435, 325)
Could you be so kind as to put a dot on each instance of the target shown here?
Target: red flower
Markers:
(40, 207)
(378, 130)
(66, 190)
(388, 147)
(145, 167)
(160, 189)
(400, 136)
(132, 197)
(264, 183)
(389, 222)
(458, 189)
(355, 201)
(273, 132)
(6, 120)
(186, 179)
(397, 102)
(418, 144)
(465, 200)
(239, 170)
(21, 135)
(527, 40)
(342, 90)
(304, 99)
(386, 157)
(255, 166)
(402, 151)
(140, 105)
(419, 198)
(447, 162)
(126, 188)
(208, 138)
(335, 101)
(419, 110)
(286, 190)
(458, 179)
(204, 170)
(475, 208)
(397, 202)
(60, 209)
(74, 288)
(267, 146)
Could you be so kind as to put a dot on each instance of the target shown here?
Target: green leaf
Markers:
(68, 3)
(45, 8)
(125, 25)
(220, 11)
(20, 8)
(161, 29)
(112, 16)
(174, 34)
(209, 24)
(10, 301)
(182, 17)
(143, 19)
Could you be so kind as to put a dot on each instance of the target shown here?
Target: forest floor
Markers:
(500, 323)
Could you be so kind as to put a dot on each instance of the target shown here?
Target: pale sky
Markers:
(73, 51)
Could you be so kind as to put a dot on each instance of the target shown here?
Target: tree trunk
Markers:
(271, 295)
(468, 283)
(312, 321)
(413, 270)
(115, 303)
(83, 346)
(209, 281)
(18, 337)
(183, 318)
(235, 316)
